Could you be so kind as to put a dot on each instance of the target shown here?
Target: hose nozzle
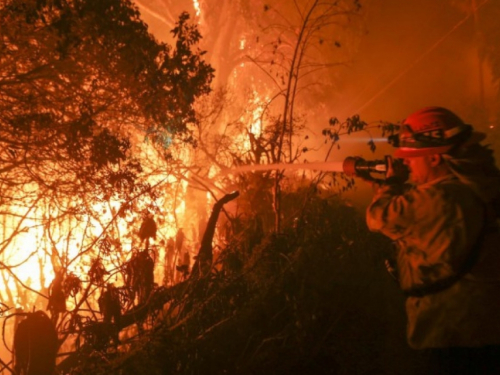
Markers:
(356, 166)
(359, 167)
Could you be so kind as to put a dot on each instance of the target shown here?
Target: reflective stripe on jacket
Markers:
(436, 226)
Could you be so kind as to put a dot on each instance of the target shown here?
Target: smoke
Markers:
(416, 53)
(411, 54)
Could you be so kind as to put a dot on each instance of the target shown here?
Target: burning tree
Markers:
(82, 84)
(272, 68)
(97, 123)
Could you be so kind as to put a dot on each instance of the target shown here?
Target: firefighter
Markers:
(443, 222)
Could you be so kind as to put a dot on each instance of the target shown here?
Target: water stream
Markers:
(326, 166)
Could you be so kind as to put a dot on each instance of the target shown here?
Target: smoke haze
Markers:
(411, 54)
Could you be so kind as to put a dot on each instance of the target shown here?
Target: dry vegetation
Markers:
(314, 300)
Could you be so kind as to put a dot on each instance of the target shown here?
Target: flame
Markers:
(36, 239)
(30, 250)
(252, 121)
(34, 249)
(256, 116)
(197, 8)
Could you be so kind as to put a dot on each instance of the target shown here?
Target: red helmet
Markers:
(433, 130)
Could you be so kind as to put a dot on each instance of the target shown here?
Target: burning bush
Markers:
(309, 300)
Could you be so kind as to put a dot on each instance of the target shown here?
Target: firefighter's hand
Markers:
(397, 172)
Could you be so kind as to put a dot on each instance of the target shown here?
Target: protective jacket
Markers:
(448, 260)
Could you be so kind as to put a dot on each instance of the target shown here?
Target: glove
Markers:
(397, 172)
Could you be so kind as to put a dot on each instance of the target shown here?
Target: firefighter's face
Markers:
(421, 168)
